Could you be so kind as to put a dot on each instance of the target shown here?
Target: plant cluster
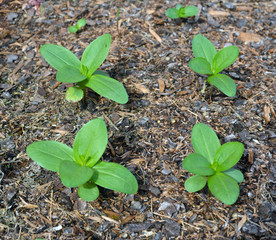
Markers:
(213, 163)
(81, 23)
(81, 166)
(181, 12)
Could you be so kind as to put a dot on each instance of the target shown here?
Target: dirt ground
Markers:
(150, 135)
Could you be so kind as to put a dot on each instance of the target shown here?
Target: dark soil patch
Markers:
(151, 133)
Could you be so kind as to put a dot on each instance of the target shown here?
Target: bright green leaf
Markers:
(235, 173)
(224, 188)
(49, 154)
(88, 191)
(189, 11)
(197, 164)
(172, 13)
(59, 57)
(81, 23)
(73, 174)
(68, 74)
(115, 177)
(96, 52)
(73, 29)
(205, 141)
(90, 142)
(101, 73)
(224, 58)
(178, 6)
(224, 83)
(228, 155)
(204, 48)
(200, 65)
(74, 94)
(108, 87)
(195, 183)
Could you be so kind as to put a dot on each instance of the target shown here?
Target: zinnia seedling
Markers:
(81, 166)
(84, 73)
(210, 62)
(81, 23)
(213, 163)
(181, 12)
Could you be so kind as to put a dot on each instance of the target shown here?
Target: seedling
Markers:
(81, 23)
(213, 163)
(181, 12)
(81, 166)
(210, 62)
(84, 73)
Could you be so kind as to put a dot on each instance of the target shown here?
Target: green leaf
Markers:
(195, 183)
(189, 11)
(96, 52)
(73, 29)
(235, 173)
(49, 154)
(115, 177)
(224, 58)
(197, 164)
(68, 74)
(59, 57)
(200, 65)
(172, 13)
(74, 94)
(108, 87)
(101, 73)
(81, 23)
(205, 141)
(178, 6)
(88, 191)
(228, 155)
(224, 188)
(73, 174)
(224, 83)
(204, 48)
(90, 142)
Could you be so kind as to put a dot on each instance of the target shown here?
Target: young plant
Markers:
(181, 12)
(213, 163)
(81, 166)
(81, 23)
(210, 62)
(84, 73)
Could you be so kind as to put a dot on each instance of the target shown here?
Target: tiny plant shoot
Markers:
(210, 62)
(84, 73)
(81, 166)
(181, 12)
(81, 23)
(213, 163)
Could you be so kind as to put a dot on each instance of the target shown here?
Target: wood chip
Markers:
(153, 33)
(161, 84)
(141, 88)
(218, 13)
(250, 156)
(250, 37)
(267, 114)
(241, 222)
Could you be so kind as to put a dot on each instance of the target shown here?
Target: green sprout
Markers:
(210, 62)
(81, 23)
(81, 166)
(213, 163)
(181, 12)
(84, 73)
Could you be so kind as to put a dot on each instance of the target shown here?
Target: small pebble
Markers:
(166, 171)
(6, 95)
(136, 205)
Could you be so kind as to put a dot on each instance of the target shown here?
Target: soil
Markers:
(150, 135)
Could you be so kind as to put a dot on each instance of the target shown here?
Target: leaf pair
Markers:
(72, 70)
(81, 166)
(213, 163)
(81, 23)
(181, 12)
(208, 61)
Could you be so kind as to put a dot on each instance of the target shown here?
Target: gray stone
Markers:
(172, 228)
(241, 23)
(154, 191)
(168, 208)
(266, 210)
(138, 227)
(6, 95)
(230, 6)
(211, 21)
(11, 16)
(11, 58)
(136, 205)
(7, 144)
(166, 171)
(143, 121)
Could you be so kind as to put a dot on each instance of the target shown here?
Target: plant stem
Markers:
(118, 16)
(84, 99)
(211, 93)
(209, 193)
(203, 88)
